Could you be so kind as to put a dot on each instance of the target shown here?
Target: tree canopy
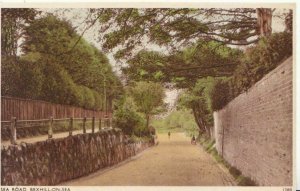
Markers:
(13, 22)
(183, 68)
(58, 65)
(179, 27)
(47, 71)
(213, 93)
(148, 96)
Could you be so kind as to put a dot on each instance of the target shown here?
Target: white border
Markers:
(190, 3)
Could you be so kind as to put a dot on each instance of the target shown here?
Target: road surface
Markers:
(173, 162)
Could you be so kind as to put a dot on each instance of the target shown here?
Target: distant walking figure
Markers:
(193, 141)
(169, 134)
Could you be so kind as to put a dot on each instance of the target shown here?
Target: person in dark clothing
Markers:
(193, 141)
(169, 134)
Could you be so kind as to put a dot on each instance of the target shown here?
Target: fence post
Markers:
(84, 121)
(50, 130)
(223, 141)
(100, 124)
(93, 124)
(13, 131)
(71, 126)
(108, 123)
(105, 123)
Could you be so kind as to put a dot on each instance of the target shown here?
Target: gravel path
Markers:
(173, 162)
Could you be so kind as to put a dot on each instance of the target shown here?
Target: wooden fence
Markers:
(26, 109)
(103, 124)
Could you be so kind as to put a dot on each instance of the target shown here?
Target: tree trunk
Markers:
(200, 122)
(207, 130)
(289, 21)
(197, 119)
(264, 21)
(148, 121)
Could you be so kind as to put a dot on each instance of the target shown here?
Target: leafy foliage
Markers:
(198, 100)
(147, 66)
(254, 64)
(184, 68)
(13, 22)
(147, 96)
(261, 59)
(202, 60)
(220, 94)
(10, 76)
(175, 27)
(60, 67)
(128, 119)
(212, 94)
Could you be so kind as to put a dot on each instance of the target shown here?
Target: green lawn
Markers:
(177, 121)
(166, 130)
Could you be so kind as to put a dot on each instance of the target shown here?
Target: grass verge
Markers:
(209, 146)
(134, 138)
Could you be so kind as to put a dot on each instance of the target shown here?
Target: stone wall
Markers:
(57, 160)
(254, 132)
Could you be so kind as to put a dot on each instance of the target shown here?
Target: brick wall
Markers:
(54, 161)
(258, 129)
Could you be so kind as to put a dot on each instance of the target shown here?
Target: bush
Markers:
(58, 86)
(10, 76)
(46, 73)
(21, 78)
(128, 120)
(234, 172)
(88, 98)
(134, 139)
(72, 94)
(141, 130)
(79, 94)
(98, 100)
(245, 181)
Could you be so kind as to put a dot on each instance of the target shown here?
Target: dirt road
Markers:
(173, 162)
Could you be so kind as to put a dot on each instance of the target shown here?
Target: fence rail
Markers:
(103, 123)
(26, 109)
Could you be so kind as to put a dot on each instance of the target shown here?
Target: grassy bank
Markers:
(209, 146)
